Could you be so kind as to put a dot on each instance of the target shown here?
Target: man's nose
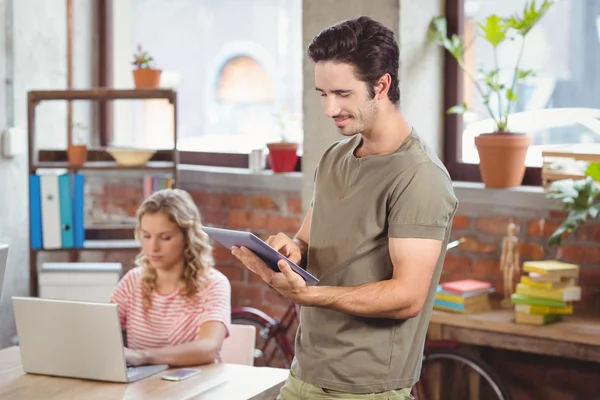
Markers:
(331, 107)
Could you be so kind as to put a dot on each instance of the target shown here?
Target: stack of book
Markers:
(465, 296)
(546, 292)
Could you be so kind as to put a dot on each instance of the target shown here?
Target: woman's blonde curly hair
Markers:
(179, 207)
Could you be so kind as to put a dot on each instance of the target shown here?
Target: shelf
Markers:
(101, 245)
(102, 94)
(104, 165)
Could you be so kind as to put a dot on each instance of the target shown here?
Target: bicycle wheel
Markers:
(268, 351)
(459, 376)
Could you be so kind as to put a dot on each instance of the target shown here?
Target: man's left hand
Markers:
(286, 282)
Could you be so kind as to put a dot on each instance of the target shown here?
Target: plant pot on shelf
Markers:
(146, 78)
(502, 158)
(77, 154)
(283, 156)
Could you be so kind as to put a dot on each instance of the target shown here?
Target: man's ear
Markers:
(383, 86)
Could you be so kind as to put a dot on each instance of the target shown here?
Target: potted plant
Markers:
(77, 150)
(501, 153)
(145, 76)
(283, 154)
(579, 199)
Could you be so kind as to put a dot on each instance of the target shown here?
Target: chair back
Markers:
(239, 347)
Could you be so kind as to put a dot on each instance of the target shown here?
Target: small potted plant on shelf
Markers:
(77, 150)
(145, 76)
(501, 153)
(579, 198)
(283, 154)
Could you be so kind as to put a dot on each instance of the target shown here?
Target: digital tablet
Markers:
(269, 255)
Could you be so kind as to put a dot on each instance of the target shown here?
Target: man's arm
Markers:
(295, 249)
(302, 238)
(400, 297)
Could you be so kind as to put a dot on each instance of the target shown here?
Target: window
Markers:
(236, 65)
(559, 105)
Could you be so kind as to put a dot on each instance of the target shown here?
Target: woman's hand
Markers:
(134, 358)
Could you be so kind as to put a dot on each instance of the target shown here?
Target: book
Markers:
(467, 298)
(552, 267)
(540, 310)
(571, 293)
(535, 319)
(547, 285)
(517, 298)
(460, 308)
(466, 286)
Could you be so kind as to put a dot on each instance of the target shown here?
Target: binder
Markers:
(66, 211)
(35, 212)
(51, 232)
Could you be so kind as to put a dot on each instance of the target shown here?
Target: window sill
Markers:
(199, 177)
(523, 197)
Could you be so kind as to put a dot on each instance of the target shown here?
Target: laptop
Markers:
(3, 261)
(74, 339)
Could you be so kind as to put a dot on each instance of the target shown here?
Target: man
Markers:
(375, 233)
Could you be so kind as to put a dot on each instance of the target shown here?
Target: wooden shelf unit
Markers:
(163, 161)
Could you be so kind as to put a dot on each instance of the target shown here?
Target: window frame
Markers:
(104, 27)
(453, 94)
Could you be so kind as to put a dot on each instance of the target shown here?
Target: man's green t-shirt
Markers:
(358, 204)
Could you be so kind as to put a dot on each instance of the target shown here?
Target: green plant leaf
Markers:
(511, 96)
(524, 73)
(493, 30)
(530, 17)
(457, 109)
(593, 171)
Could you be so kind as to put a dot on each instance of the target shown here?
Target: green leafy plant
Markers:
(79, 130)
(495, 30)
(142, 59)
(579, 199)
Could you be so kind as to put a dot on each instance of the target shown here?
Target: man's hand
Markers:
(286, 282)
(286, 246)
(134, 357)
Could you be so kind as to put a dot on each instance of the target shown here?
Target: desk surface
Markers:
(574, 337)
(217, 381)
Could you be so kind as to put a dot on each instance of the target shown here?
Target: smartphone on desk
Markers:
(180, 374)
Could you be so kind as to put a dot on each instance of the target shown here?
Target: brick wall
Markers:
(529, 376)
(484, 228)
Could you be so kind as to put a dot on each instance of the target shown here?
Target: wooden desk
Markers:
(235, 382)
(575, 337)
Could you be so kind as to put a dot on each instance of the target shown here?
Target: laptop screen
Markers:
(3, 259)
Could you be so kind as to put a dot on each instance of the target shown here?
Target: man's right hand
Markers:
(286, 246)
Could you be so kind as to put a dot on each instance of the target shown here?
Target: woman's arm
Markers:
(203, 350)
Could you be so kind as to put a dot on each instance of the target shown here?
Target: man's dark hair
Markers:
(367, 45)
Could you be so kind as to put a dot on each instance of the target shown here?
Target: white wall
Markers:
(38, 61)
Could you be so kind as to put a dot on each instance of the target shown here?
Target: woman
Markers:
(175, 308)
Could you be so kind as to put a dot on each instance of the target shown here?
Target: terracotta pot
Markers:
(77, 154)
(146, 78)
(283, 156)
(502, 158)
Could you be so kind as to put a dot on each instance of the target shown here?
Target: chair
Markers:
(239, 347)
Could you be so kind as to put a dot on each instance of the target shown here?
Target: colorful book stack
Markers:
(546, 293)
(465, 296)
(56, 210)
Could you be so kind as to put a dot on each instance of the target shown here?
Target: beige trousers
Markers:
(295, 389)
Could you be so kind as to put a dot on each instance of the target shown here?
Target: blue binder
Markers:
(35, 212)
(66, 211)
(78, 210)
